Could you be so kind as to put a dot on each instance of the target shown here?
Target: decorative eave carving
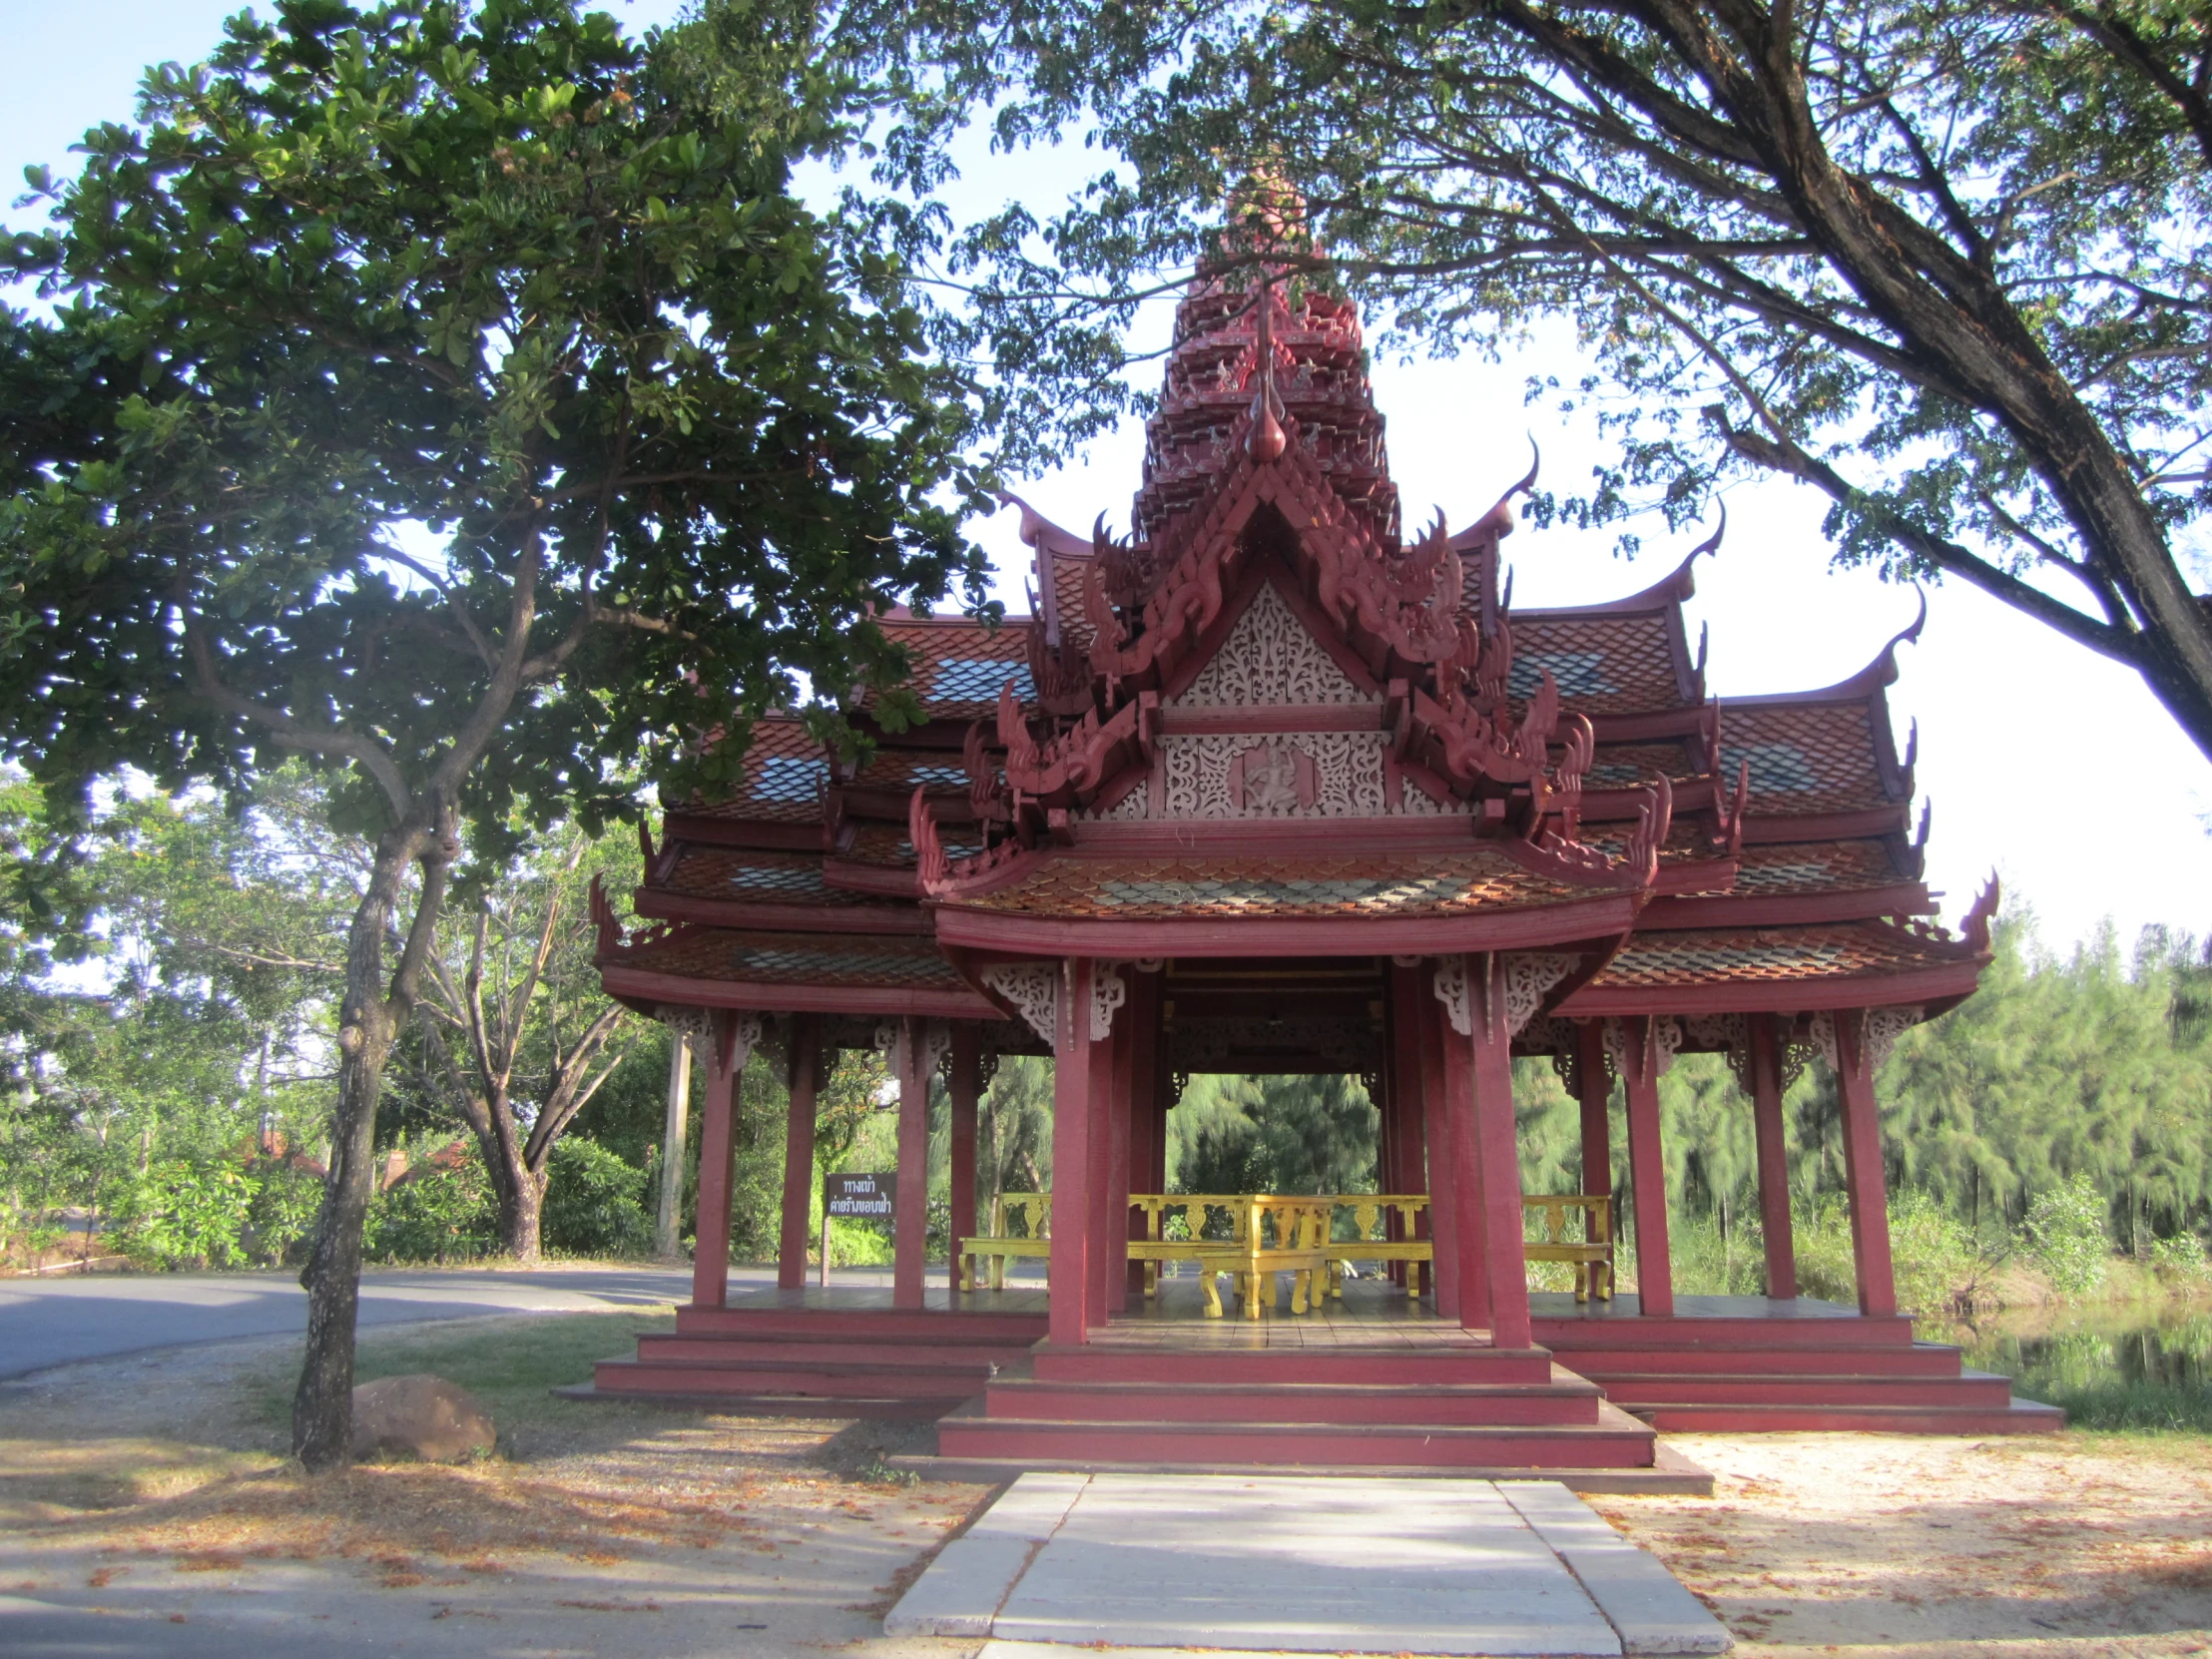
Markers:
(1071, 766)
(1637, 871)
(1972, 943)
(613, 944)
(1467, 745)
(1032, 990)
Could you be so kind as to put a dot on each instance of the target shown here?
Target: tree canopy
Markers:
(460, 396)
(1945, 260)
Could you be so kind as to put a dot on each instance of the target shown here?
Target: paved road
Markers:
(55, 1322)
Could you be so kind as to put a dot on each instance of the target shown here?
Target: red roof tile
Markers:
(761, 877)
(1363, 884)
(1603, 664)
(841, 959)
(1750, 955)
(1805, 758)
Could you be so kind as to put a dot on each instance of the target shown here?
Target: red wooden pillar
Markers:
(1427, 1067)
(1862, 1173)
(910, 1204)
(1647, 1169)
(1765, 1066)
(717, 1162)
(799, 1153)
(1593, 1077)
(1497, 1151)
(966, 1088)
(1068, 1317)
(1462, 1152)
(1145, 1125)
(1113, 1254)
(1389, 1151)
(1162, 1102)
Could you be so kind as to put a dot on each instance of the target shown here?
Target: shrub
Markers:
(436, 1215)
(2182, 1259)
(282, 1216)
(1940, 1267)
(594, 1203)
(2064, 1232)
(185, 1213)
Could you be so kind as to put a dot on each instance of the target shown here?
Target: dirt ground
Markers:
(147, 1499)
(152, 1493)
(2028, 1545)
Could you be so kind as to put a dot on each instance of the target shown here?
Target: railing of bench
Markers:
(1546, 1237)
(1248, 1234)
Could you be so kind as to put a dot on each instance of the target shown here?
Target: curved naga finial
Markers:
(1977, 927)
(982, 777)
(930, 863)
(1712, 543)
(603, 917)
(1498, 521)
(1013, 731)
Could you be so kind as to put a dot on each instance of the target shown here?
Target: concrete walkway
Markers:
(1155, 1565)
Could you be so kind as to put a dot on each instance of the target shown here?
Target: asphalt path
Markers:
(61, 1321)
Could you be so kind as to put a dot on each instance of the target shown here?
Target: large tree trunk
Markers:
(370, 1021)
(520, 1190)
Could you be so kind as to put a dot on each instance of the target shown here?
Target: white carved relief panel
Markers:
(1268, 657)
(1271, 775)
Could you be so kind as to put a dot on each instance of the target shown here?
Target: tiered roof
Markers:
(1268, 726)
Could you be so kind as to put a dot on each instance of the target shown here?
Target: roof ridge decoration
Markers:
(1880, 672)
(1974, 938)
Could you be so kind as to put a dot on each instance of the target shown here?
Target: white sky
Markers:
(2044, 762)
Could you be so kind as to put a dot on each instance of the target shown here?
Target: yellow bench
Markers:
(999, 1247)
(1304, 1240)
(1591, 1255)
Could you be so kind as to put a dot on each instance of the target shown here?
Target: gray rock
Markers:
(438, 1420)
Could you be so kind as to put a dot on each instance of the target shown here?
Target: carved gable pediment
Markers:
(1269, 663)
(1268, 659)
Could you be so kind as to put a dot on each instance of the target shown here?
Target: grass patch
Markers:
(509, 1361)
(2128, 1408)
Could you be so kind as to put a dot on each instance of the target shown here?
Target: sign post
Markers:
(856, 1198)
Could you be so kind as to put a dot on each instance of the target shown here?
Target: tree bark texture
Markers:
(370, 1021)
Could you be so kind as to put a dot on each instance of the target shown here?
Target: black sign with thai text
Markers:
(859, 1197)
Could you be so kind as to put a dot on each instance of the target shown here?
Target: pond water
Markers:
(2111, 1367)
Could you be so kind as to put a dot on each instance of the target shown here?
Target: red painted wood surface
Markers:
(1862, 1173)
(799, 1153)
(1765, 1064)
(1647, 1171)
(965, 1085)
(1594, 1084)
(1427, 1070)
(1071, 1155)
(1491, 1126)
(910, 1202)
(1121, 1129)
(717, 1168)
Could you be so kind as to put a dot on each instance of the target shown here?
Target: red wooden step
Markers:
(1568, 1401)
(1616, 1440)
(1972, 1389)
(1572, 1335)
(1919, 1359)
(692, 1376)
(855, 1323)
(975, 1357)
(1399, 1367)
(2023, 1416)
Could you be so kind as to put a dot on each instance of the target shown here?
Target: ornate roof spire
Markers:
(1267, 440)
(1252, 346)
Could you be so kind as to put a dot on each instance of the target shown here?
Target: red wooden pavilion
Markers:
(1269, 785)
